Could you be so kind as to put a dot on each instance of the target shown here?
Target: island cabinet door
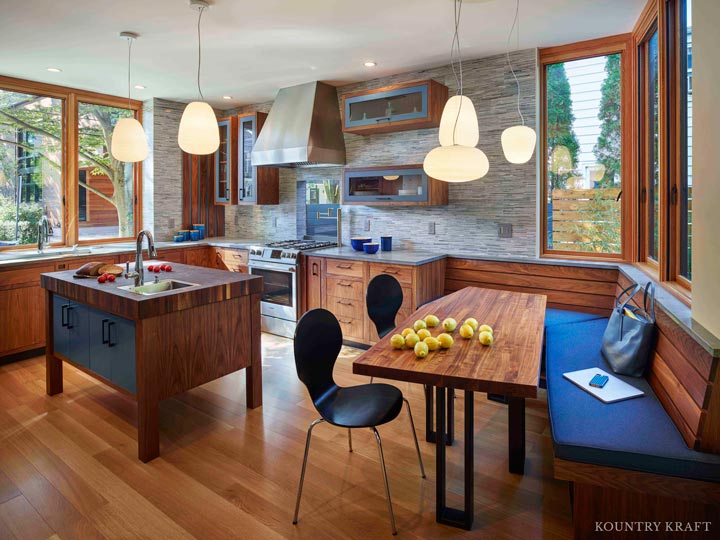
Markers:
(112, 348)
(70, 329)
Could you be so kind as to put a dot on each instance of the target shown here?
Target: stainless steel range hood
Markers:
(303, 129)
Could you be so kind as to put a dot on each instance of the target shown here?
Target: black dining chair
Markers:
(318, 340)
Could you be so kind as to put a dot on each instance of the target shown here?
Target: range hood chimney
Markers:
(303, 129)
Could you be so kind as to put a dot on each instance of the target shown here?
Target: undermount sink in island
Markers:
(191, 327)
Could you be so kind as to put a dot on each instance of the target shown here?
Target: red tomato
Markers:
(111, 278)
(151, 268)
(163, 267)
(168, 268)
(156, 269)
(102, 279)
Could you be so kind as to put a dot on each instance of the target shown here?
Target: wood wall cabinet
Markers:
(401, 107)
(225, 168)
(402, 185)
(255, 185)
(340, 285)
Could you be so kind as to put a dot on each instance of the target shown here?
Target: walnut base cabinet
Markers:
(401, 107)
(400, 185)
(340, 286)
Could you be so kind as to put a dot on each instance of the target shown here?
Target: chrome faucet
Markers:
(43, 233)
(139, 273)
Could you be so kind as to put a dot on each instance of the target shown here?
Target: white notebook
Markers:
(614, 390)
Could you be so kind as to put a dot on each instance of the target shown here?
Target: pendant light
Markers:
(199, 133)
(518, 142)
(457, 159)
(129, 143)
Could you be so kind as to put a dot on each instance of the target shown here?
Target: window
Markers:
(685, 176)
(583, 143)
(322, 197)
(31, 166)
(106, 186)
(88, 196)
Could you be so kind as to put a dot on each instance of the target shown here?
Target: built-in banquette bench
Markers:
(656, 458)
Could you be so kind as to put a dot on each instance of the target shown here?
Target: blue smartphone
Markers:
(598, 381)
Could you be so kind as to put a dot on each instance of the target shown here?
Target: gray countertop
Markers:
(409, 257)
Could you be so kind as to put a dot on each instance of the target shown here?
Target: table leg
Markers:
(430, 435)
(253, 386)
(253, 373)
(516, 434)
(452, 516)
(53, 366)
(148, 430)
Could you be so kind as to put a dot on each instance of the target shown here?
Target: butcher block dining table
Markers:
(510, 367)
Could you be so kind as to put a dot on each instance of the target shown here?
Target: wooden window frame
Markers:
(620, 44)
(70, 98)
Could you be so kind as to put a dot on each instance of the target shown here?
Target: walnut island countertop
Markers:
(212, 286)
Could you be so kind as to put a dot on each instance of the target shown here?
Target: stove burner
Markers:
(301, 245)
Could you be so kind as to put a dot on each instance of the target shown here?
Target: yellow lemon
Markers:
(432, 321)
(411, 340)
(397, 341)
(421, 349)
(472, 322)
(466, 331)
(486, 338)
(485, 328)
(449, 324)
(407, 331)
(423, 333)
(446, 340)
(419, 324)
(432, 343)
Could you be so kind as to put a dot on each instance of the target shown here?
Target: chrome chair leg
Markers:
(417, 446)
(387, 487)
(304, 465)
(350, 439)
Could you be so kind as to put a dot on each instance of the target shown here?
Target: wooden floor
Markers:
(68, 465)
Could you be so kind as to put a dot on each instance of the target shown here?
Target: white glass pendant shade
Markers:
(518, 143)
(459, 123)
(560, 160)
(456, 163)
(199, 133)
(129, 143)
(391, 177)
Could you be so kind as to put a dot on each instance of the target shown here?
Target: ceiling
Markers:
(251, 48)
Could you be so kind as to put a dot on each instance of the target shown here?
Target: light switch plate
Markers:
(431, 227)
(505, 230)
(367, 224)
(274, 221)
(171, 223)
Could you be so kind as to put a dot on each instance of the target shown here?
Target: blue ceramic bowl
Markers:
(358, 241)
(371, 247)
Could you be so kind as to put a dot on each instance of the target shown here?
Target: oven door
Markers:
(279, 296)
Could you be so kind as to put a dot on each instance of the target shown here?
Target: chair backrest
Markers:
(383, 299)
(318, 340)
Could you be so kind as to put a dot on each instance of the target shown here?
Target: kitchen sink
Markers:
(158, 287)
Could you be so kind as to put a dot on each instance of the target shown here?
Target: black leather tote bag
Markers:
(630, 334)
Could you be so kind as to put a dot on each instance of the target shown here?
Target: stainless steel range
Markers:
(278, 264)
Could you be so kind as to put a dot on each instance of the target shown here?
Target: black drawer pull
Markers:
(63, 315)
(104, 340)
(68, 325)
(110, 341)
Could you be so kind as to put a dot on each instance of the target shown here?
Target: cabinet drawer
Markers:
(402, 273)
(346, 307)
(234, 256)
(352, 329)
(344, 268)
(345, 288)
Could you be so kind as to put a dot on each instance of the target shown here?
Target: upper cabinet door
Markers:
(400, 185)
(401, 107)
(224, 164)
(247, 174)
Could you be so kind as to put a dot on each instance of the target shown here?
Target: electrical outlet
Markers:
(431, 227)
(505, 230)
(274, 222)
(171, 223)
(367, 224)
(237, 218)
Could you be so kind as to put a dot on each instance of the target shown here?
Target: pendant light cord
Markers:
(202, 10)
(130, 40)
(507, 53)
(455, 50)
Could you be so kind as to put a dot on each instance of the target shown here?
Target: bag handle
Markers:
(649, 291)
(635, 289)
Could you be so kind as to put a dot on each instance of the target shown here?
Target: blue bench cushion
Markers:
(635, 434)
(553, 317)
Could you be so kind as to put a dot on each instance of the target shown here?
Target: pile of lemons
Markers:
(422, 341)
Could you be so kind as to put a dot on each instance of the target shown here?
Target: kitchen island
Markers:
(155, 346)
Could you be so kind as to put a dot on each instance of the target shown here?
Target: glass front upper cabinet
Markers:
(247, 174)
(401, 185)
(223, 164)
(402, 107)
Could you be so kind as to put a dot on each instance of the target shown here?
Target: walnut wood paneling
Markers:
(198, 195)
(510, 367)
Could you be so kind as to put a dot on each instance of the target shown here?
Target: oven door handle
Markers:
(272, 266)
